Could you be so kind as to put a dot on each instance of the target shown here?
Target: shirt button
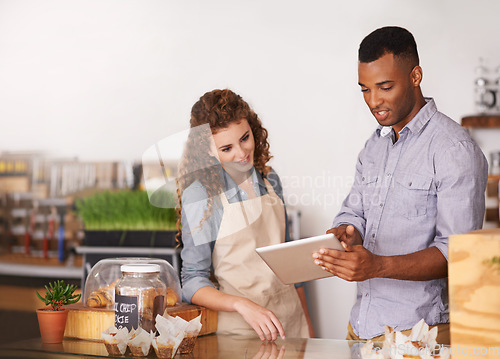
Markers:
(409, 184)
(362, 178)
(366, 294)
(381, 204)
(373, 235)
(388, 175)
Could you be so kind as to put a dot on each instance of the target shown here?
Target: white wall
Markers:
(105, 79)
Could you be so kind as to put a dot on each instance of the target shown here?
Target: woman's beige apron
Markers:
(247, 225)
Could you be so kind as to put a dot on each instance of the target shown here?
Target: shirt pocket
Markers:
(370, 190)
(412, 194)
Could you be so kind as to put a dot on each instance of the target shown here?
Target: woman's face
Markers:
(235, 146)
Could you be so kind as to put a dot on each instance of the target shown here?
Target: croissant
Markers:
(100, 298)
(171, 297)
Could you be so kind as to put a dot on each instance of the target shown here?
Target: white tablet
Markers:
(292, 262)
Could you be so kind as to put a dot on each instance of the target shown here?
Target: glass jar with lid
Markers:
(139, 296)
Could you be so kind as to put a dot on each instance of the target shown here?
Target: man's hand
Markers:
(347, 234)
(356, 264)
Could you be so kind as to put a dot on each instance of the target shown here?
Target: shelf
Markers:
(481, 121)
(30, 270)
(127, 250)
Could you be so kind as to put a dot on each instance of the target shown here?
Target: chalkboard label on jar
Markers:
(126, 312)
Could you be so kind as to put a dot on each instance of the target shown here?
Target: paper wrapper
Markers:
(171, 334)
(421, 343)
(140, 342)
(115, 340)
(169, 328)
(190, 331)
(167, 346)
(175, 327)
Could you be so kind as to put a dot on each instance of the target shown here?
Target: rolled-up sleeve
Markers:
(197, 238)
(461, 174)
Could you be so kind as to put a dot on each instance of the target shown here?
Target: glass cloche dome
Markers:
(99, 289)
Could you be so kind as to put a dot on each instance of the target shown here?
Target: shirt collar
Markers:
(231, 188)
(423, 116)
(417, 123)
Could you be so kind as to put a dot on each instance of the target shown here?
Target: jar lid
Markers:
(140, 268)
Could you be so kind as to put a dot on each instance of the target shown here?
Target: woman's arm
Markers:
(197, 239)
(263, 321)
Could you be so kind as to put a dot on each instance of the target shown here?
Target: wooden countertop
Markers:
(207, 347)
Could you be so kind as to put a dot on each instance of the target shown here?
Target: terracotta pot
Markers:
(52, 324)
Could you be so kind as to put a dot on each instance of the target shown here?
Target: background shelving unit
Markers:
(481, 121)
(491, 121)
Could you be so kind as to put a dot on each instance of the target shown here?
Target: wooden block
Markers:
(474, 288)
(89, 323)
(189, 311)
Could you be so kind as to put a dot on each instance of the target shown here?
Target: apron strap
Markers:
(269, 187)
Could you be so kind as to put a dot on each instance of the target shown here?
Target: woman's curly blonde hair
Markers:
(218, 109)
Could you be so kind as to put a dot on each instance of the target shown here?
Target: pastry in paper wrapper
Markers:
(169, 338)
(166, 347)
(140, 342)
(115, 340)
(191, 330)
(421, 344)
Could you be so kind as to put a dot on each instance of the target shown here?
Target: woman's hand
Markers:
(262, 320)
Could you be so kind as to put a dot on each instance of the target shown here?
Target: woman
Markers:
(231, 203)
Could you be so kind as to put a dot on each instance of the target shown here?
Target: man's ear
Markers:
(416, 76)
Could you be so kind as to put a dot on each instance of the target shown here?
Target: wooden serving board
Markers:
(474, 287)
(88, 323)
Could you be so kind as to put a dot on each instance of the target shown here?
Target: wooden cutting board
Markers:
(88, 323)
(474, 289)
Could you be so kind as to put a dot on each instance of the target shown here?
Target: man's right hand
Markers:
(347, 233)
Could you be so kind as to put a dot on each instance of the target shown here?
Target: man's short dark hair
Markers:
(389, 40)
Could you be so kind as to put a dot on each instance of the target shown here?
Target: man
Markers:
(419, 179)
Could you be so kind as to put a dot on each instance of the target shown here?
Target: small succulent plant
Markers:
(59, 294)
